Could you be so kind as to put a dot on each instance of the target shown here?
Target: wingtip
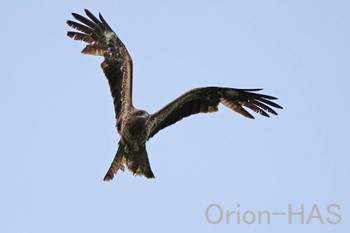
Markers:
(71, 34)
(75, 15)
(278, 106)
(254, 89)
(100, 16)
(87, 11)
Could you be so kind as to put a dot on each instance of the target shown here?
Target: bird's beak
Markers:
(146, 115)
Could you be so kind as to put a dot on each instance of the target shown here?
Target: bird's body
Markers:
(136, 126)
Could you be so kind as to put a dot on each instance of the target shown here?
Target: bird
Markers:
(137, 126)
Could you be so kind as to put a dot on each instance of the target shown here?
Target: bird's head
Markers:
(141, 114)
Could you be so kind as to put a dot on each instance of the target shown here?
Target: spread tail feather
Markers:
(116, 165)
(137, 163)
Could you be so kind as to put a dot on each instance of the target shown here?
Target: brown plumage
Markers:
(137, 126)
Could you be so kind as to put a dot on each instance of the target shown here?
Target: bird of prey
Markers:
(137, 126)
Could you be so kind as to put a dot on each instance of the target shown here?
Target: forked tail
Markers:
(136, 161)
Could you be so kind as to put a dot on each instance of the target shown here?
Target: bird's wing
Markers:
(117, 66)
(207, 99)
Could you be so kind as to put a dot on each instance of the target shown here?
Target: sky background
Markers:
(57, 119)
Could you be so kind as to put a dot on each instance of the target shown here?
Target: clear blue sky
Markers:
(57, 119)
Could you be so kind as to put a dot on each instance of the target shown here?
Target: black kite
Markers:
(137, 126)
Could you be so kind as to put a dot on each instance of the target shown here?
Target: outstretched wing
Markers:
(207, 99)
(117, 66)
